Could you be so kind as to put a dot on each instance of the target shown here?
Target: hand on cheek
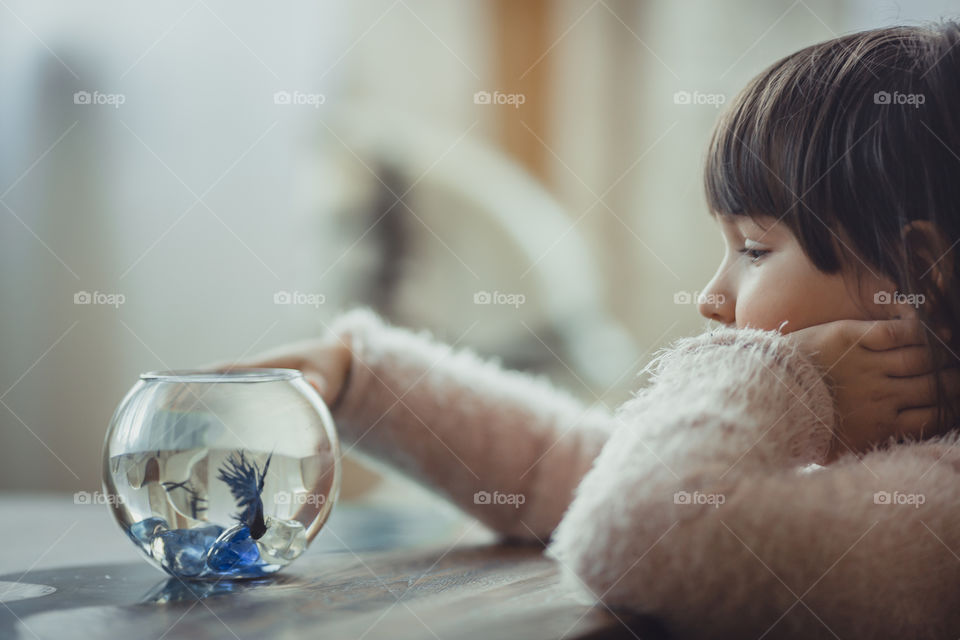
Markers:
(882, 378)
(854, 324)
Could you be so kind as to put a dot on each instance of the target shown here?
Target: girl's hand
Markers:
(881, 374)
(324, 362)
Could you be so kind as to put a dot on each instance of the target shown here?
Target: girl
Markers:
(790, 473)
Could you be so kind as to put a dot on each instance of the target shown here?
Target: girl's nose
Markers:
(715, 304)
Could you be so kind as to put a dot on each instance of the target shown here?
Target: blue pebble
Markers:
(205, 535)
(146, 530)
(184, 550)
(186, 561)
(233, 551)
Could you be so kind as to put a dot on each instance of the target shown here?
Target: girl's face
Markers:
(766, 279)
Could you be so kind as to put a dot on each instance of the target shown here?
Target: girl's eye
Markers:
(755, 254)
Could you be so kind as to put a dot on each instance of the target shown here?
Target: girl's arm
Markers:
(700, 509)
(506, 447)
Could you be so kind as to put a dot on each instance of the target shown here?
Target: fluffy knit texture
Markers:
(700, 500)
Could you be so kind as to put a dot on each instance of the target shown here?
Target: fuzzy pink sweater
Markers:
(698, 501)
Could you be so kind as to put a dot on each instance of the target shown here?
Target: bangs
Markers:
(744, 173)
(802, 141)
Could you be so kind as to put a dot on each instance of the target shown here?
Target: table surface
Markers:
(375, 571)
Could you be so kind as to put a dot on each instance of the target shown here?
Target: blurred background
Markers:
(192, 181)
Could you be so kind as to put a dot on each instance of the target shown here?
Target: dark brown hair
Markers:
(847, 141)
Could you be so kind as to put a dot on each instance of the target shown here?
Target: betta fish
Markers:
(246, 484)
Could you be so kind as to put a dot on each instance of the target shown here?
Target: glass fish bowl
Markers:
(221, 475)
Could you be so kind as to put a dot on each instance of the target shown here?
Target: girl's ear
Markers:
(928, 251)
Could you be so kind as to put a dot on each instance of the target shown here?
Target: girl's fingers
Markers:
(281, 362)
(907, 361)
(287, 356)
(880, 335)
(921, 391)
(286, 362)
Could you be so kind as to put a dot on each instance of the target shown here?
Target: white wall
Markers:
(106, 208)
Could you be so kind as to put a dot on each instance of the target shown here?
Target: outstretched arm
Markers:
(504, 446)
(701, 510)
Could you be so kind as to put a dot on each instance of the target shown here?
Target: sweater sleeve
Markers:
(504, 446)
(703, 508)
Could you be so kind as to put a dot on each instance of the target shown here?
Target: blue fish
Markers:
(246, 484)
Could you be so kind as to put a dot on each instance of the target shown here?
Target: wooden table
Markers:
(374, 572)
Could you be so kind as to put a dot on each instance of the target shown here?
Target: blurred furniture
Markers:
(461, 240)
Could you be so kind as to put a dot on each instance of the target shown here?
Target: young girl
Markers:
(792, 473)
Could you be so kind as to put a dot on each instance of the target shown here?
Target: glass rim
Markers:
(244, 374)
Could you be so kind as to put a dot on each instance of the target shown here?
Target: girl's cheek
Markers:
(791, 291)
(751, 310)
(767, 300)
